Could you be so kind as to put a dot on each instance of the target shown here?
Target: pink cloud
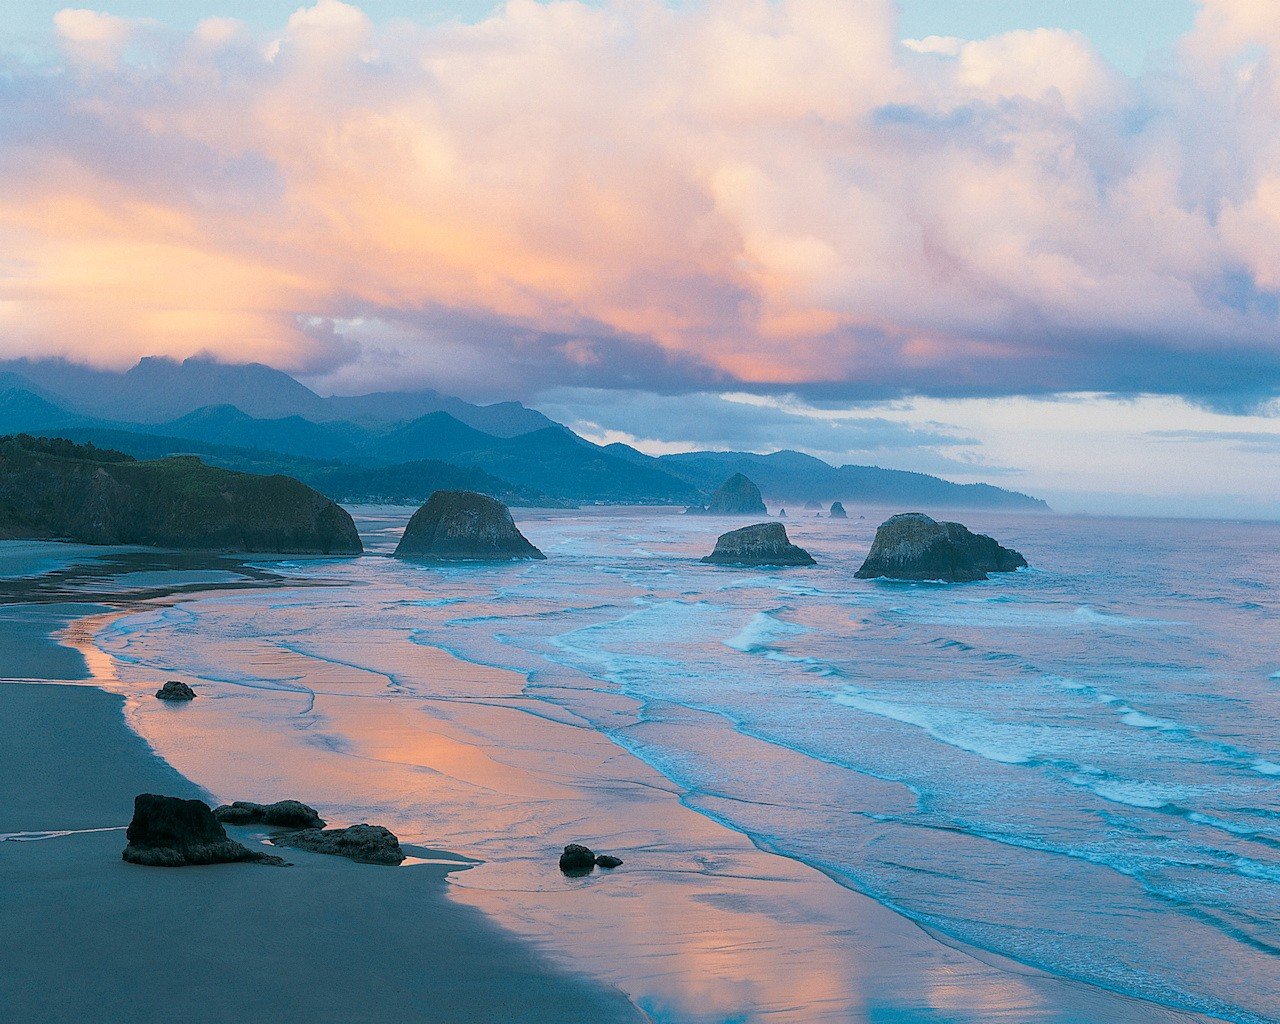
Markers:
(778, 192)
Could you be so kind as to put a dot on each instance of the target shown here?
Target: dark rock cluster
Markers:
(365, 844)
(578, 860)
(281, 814)
(169, 832)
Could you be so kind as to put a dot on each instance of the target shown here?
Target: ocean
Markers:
(1074, 768)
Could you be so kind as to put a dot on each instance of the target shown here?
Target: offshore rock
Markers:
(913, 546)
(837, 511)
(292, 814)
(365, 844)
(463, 526)
(761, 544)
(175, 690)
(169, 832)
(737, 496)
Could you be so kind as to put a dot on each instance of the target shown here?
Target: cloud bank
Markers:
(734, 195)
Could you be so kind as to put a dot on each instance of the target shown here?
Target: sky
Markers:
(1033, 242)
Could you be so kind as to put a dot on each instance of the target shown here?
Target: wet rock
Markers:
(761, 544)
(737, 496)
(605, 860)
(365, 844)
(913, 546)
(464, 526)
(292, 814)
(167, 831)
(577, 859)
(175, 690)
(837, 511)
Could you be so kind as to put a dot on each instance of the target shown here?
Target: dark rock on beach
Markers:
(761, 544)
(365, 844)
(464, 526)
(577, 859)
(837, 511)
(175, 690)
(913, 546)
(292, 814)
(169, 832)
(737, 496)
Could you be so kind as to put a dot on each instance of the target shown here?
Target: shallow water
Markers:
(1075, 766)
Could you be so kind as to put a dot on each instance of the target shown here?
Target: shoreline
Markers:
(720, 888)
(707, 890)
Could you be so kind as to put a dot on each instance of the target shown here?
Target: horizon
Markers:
(865, 264)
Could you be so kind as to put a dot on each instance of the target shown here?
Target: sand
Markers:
(86, 938)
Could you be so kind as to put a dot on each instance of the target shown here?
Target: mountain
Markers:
(291, 435)
(789, 476)
(53, 489)
(159, 389)
(409, 483)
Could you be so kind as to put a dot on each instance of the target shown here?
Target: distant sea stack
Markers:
(762, 544)
(53, 489)
(464, 526)
(737, 496)
(837, 511)
(912, 546)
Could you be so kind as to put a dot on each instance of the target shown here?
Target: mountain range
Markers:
(402, 446)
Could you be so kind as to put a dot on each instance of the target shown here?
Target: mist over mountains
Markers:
(401, 446)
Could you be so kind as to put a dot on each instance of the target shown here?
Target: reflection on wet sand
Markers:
(699, 925)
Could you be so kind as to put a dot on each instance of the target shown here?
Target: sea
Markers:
(1073, 769)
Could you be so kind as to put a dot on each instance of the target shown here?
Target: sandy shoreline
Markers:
(700, 926)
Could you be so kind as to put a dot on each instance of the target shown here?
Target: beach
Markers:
(705, 922)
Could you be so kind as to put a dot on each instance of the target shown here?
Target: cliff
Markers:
(53, 489)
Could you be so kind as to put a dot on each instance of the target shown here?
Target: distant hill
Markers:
(394, 445)
(54, 489)
(788, 476)
(159, 389)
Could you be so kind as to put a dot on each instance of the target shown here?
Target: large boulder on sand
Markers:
(737, 496)
(461, 526)
(578, 860)
(837, 511)
(762, 544)
(175, 689)
(912, 546)
(169, 832)
(281, 814)
(367, 844)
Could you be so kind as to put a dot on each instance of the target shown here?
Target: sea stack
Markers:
(837, 511)
(464, 526)
(912, 546)
(737, 496)
(762, 544)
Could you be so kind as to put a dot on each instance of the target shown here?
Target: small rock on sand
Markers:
(175, 690)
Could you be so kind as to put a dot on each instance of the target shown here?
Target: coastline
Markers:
(699, 924)
(89, 939)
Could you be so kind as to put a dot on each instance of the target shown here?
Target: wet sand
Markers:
(699, 925)
(86, 938)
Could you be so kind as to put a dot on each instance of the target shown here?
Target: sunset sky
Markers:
(1034, 243)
